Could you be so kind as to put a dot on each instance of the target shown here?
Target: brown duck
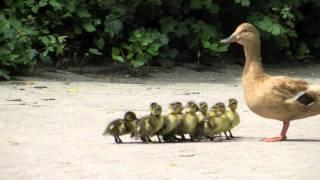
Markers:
(274, 97)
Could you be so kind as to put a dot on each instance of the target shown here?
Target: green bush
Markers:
(137, 31)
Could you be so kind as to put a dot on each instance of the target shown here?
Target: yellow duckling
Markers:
(172, 120)
(203, 111)
(216, 121)
(189, 121)
(226, 123)
(205, 129)
(233, 114)
(121, 127)
(150, 125)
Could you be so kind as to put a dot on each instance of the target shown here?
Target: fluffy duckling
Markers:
(189, 121)
(121, 127)
(233, 114)
(172, 120)
(226, 123)
(150, 125)
(205, 129)
(216, 120)
(203, 111)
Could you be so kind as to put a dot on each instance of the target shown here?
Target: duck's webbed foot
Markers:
(283, 134)
(275, 139)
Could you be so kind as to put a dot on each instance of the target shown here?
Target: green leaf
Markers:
(164, 39)
(154, 49)
(45, 40)
(116, 55)
(95, 51)
(97, 21)
(83, 12)
(243, 2)
(100, 43)
(212, 8)
(112, 27)
(43, 3)
(88, 26)
(35, 9)
(138, 62)
(55, 4)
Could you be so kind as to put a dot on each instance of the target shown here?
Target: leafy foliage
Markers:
(140, 48)
(137, 31)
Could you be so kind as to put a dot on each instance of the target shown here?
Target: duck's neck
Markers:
(253, 65)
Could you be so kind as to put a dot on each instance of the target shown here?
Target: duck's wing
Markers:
(292, 90)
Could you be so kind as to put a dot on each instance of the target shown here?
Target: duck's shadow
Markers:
(303, 140)
(288, 140)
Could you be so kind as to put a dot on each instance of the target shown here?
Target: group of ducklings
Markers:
(198, 121)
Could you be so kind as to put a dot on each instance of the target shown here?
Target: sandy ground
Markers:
(54, 132)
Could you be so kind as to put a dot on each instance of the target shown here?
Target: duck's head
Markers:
(191, 107)
(130, 116)
(221, 107)
(245, 34)
(233, 104)
(203, 107)
(155, 109)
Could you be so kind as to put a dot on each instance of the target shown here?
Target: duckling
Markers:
(204, 129)
(189, 121)
(233, 115)
(216, 121)
(150, 125)
(203, 111)
(121, 127)
(226, 124)
(172, 120)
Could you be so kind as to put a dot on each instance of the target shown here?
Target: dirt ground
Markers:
(51, 128)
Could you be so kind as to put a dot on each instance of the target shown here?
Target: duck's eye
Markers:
(245, 31)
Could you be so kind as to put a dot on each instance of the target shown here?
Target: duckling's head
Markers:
(171, 108)
(179, 107)
(155, 109)
(214, 111)
(233, 104)
(191, 107)
(221, 107)
(203, 107)
(245, 34)
(175, 108)
(130, 116)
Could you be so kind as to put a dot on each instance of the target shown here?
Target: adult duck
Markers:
(274, 97)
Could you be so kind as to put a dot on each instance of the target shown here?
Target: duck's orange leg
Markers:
(283, 135)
